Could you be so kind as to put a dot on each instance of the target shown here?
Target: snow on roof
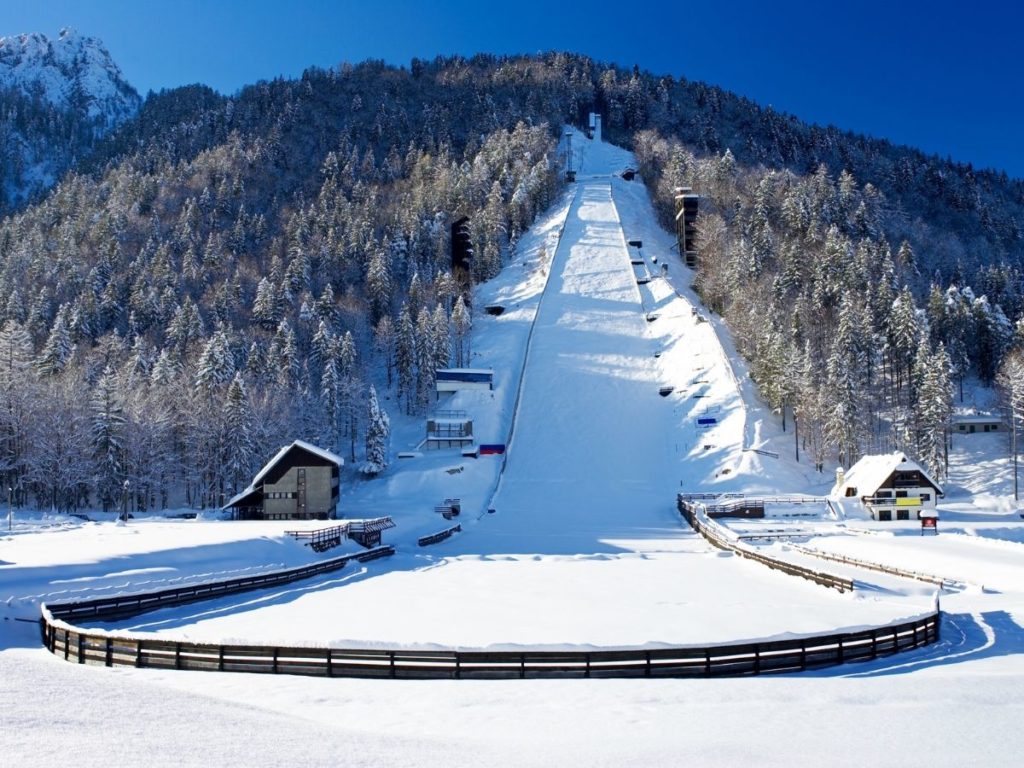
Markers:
(239, 496)
(309, 447)
(868, 474)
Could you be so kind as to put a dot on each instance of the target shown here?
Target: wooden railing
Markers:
(123, 606)
(867, 564)
(694, 514)
(321, 539)
(789, 655)
(434, 538)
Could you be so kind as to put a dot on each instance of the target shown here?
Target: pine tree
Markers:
(378, 284)
(378, 433)
(384, 344)
(462, 322)
(106, 436)
(239, 449)
(266, 308)
(426, 359)
(58, 348)
(216, 364)
(405, 358)
(441, 337)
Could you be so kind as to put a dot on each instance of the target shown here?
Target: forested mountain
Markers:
(57, 99)
(224, 274)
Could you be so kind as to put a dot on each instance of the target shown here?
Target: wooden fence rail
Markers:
(790, 655)
(434, 538)
(124, 606)
(83, 646)
(699, 521)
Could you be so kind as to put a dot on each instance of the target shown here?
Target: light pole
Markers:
(124, 501)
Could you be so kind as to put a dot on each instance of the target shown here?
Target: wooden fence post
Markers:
(81, 648)
(110, 652)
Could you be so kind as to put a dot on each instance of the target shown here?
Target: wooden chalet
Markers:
(299, 483)
(891, 486)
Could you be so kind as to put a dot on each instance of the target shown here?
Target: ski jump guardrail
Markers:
(789, 655)
(122, 606)
(698, 519)
(434, 538)
(81, 646)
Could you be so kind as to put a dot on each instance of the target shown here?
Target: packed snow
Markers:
(583, 548)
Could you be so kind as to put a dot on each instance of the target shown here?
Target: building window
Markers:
(926, 497)
(902, 514)
(901, 494)
(883, 494)
(851, 491)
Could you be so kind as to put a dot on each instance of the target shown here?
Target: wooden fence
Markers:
(867, 564)
(434, 538)
(82, 646)
(123, 606)
(790, 655)
(321, 539)
(700, 522)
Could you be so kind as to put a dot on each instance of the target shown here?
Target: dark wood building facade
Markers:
(299, 483)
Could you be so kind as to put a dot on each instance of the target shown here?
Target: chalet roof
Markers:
(302, 444)
(308, 447)
(868, 474)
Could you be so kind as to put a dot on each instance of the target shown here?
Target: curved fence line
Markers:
(698, 519)
(123, 606)
(790, 655)
(81, 646)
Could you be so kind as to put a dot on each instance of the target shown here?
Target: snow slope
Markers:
(593, 553)
(585, 523)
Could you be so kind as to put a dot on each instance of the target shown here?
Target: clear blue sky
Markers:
(940, 75)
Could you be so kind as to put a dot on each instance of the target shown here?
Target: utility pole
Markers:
(124, 502)
(10, 509)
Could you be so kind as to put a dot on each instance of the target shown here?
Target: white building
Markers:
(891, 486)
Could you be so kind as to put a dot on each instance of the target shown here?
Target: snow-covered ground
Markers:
(583, 548)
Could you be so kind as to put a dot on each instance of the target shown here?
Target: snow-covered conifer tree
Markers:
(378, 433)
